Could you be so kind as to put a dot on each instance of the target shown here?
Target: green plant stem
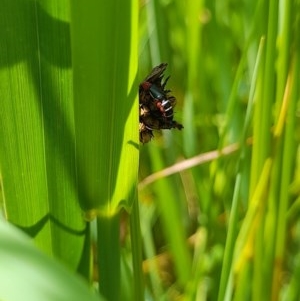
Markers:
(108, 252)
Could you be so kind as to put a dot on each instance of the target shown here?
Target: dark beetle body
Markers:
(156, 105)
(160, 101)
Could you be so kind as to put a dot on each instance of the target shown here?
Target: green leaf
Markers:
(104, 56)
(27, 273)
(37, 152)
(106, 112)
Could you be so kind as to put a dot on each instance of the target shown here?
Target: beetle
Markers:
(145, 133)
(154, 78)
(156, 105)
(152, 121)
(160, 100)
(153, 94)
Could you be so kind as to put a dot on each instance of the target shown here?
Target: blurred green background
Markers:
(223, 227)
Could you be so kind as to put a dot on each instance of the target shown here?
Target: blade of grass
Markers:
(105, 104)
(46, 279)
(262, 121)
(104, 44)
(225, 284)
(169, 207)
(286, 161)
(37, 128)
(136, 243)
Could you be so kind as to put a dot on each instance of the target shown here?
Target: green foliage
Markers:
(235, 72)
(37, 154)
(27, 273)
(69, 128)
(221, 222)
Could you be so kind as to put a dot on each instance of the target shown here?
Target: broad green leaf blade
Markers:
(104, 56)
(104, 48)
(37, 154)
(28, 274)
